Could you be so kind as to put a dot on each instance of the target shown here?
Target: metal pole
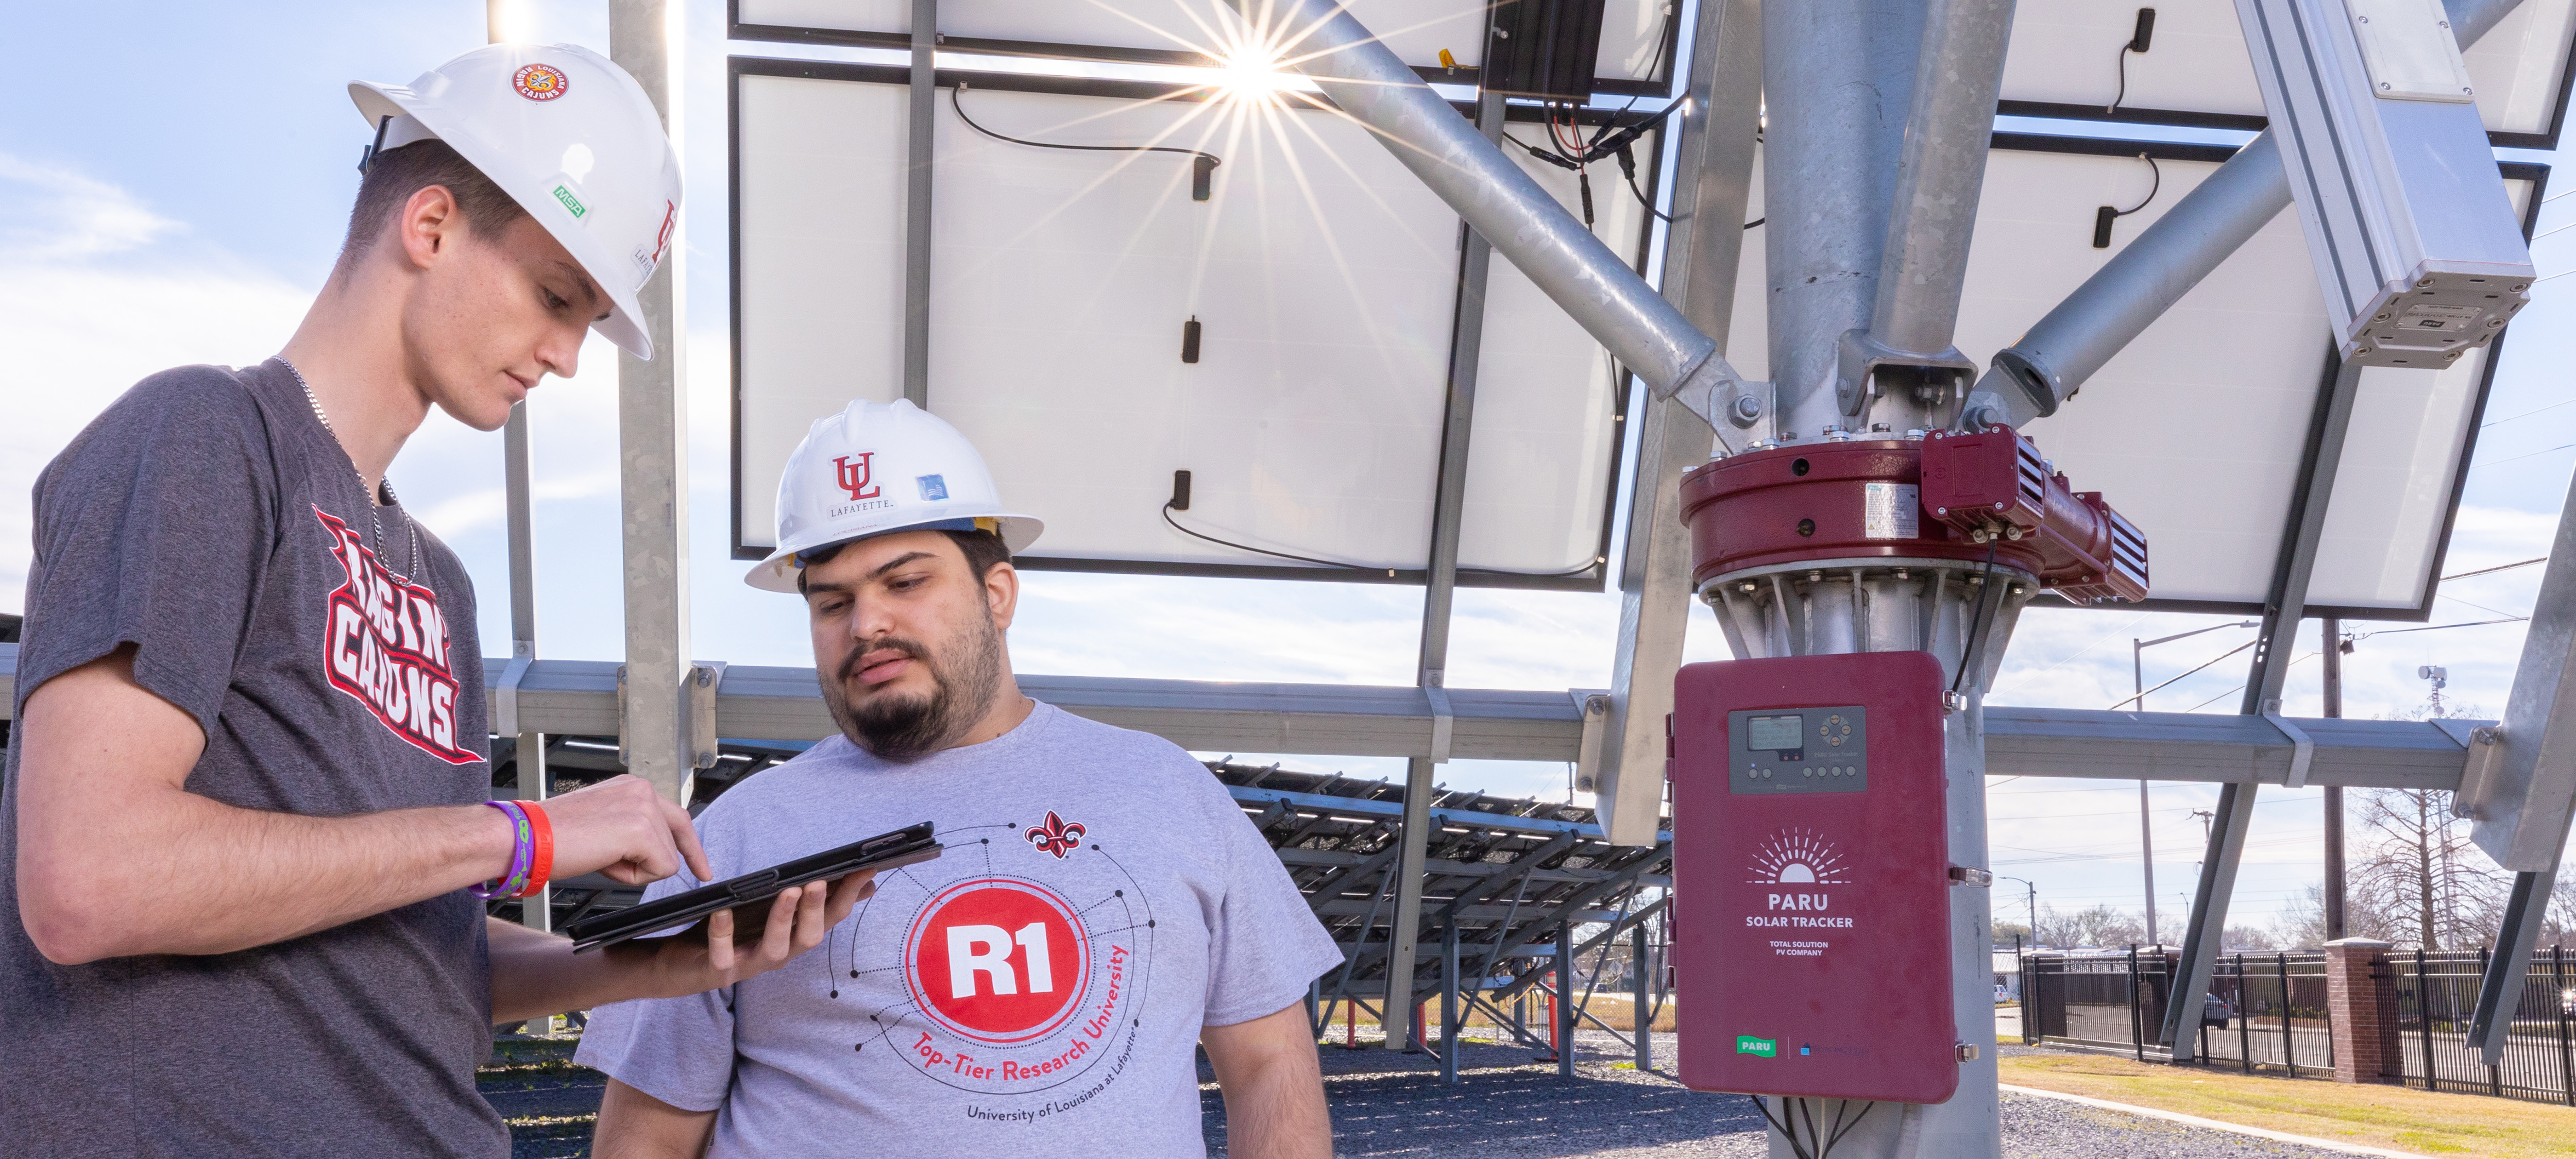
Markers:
(1449, 1009)
(1941, 172)
(916, 203)
(2049, 364)
(529, 746)
(2137, 1032)
(1643, 330)
(2289, 1056)
(2244, 1018)
(2273, 650)
(2424, 1017)
(2566, 1050)
(1449, 502)
(1837, 74)
(655, 741)
(1713, 175)
(1640, 1028)
(2331, 630)
(1562, 1011)
(2146, 828)
(2495, 1074)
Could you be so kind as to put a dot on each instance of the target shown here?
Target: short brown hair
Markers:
(982, 550)
(396, 174)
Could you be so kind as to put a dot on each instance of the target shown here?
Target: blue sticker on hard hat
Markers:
(934, 488)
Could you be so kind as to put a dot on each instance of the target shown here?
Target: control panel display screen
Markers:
(1776, 733)
(1819, 749)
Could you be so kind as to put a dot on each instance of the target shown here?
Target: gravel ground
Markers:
(1506, 1106)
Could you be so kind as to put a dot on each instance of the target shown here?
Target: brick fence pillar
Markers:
(2354, 1002)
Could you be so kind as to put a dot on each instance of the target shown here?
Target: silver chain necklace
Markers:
(374, 518)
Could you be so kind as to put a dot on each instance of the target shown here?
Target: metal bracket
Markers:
(1953, 700)
(1443, 722)
(1963, 875)
(1594, 705)
(1726, 401)
(1858, 356)
(2486, 757)
(705, 677)
(625, 749)
(2303, 751)
(505, 695)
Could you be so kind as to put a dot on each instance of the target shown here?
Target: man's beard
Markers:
(906, 728)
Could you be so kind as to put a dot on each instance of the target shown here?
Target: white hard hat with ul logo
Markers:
(571, 138)
(877, 468)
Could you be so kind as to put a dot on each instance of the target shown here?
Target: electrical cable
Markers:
(1976, 631)
(954, 103)
(2152, 190)
(1756, 221)
(1595, 562)
(1785, 1132)
(2123, 93)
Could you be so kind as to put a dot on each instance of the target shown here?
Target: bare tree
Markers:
(2099, 925)
(2304, 923)
(2418, 870)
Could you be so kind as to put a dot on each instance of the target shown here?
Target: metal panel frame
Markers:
(1591, 579)
(735, 29)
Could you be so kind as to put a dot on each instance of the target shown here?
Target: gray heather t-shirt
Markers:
(1037, 990)
(208, 518)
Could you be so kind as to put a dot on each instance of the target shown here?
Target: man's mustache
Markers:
(850, 663)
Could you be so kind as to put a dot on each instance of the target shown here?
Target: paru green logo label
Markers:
(1766, 1047)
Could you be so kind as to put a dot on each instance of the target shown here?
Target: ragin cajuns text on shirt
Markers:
(386, 645)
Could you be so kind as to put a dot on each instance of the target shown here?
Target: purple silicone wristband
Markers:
(523, 850)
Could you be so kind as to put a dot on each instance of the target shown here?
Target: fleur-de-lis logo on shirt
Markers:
(1058, 836)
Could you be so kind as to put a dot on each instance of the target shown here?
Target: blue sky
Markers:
(179, 203)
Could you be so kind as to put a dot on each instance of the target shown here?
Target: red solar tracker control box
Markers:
(1811, 878)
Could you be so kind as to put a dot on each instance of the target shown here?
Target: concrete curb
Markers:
(2212, 1124)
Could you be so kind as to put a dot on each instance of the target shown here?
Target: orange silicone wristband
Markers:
(541, 860)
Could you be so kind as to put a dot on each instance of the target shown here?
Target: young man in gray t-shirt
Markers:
(1103, 905)
(248, 790)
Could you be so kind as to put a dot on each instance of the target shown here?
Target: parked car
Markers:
(2214, 1012)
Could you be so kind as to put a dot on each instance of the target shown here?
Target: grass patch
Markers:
(2368, 1114)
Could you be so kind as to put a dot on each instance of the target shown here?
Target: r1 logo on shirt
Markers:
(998, 960)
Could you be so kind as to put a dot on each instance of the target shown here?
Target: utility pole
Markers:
(2333, 656)
(2034, 906)
(2138, 702)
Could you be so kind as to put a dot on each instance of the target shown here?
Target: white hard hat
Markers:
(568, 135)
(877, 468)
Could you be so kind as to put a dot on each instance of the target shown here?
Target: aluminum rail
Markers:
(1642, 330)
(2030, 378)
(784, 704)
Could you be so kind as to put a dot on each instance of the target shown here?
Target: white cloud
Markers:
(56, 214)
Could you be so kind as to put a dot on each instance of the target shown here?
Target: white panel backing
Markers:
(1632, 31)
(2196, 431)
(2068, 52)
(1322, 272)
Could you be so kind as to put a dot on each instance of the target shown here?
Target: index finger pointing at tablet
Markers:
(684, 834)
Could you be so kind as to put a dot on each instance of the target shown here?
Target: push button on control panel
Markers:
(1816, 750)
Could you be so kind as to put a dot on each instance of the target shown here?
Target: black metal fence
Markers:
(2269, 1010)
(2431, 996)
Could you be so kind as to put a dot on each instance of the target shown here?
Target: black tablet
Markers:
(749, 895)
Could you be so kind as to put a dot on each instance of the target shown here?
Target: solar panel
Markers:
(2067, 60)
(2196, 431)
(1635, 40)
(1322, 274)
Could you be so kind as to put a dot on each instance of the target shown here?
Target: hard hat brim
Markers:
(778, 572)
(377, 101)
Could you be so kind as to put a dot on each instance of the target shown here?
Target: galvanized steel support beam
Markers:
(2273, 650)
(923, 134)
(528, 746)
(2520, 787)
(653, 453)
(1448, 505)
(2500, 990)
(1958, 74)
(1713, 179)
(2030, 378)
(1563, 258)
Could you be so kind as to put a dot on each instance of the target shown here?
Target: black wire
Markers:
(1755, 222)
(1176, 526)
(1659, 215)
(2124, 81)
(1865, 1109)
(1976, 630)
(970, 123)
(2152, 190)
(1807, 1110)
(1785, 1132)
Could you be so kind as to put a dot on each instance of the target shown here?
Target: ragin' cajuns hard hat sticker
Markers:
(540, 82)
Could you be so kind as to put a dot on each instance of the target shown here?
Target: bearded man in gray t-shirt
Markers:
(1102, 908)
